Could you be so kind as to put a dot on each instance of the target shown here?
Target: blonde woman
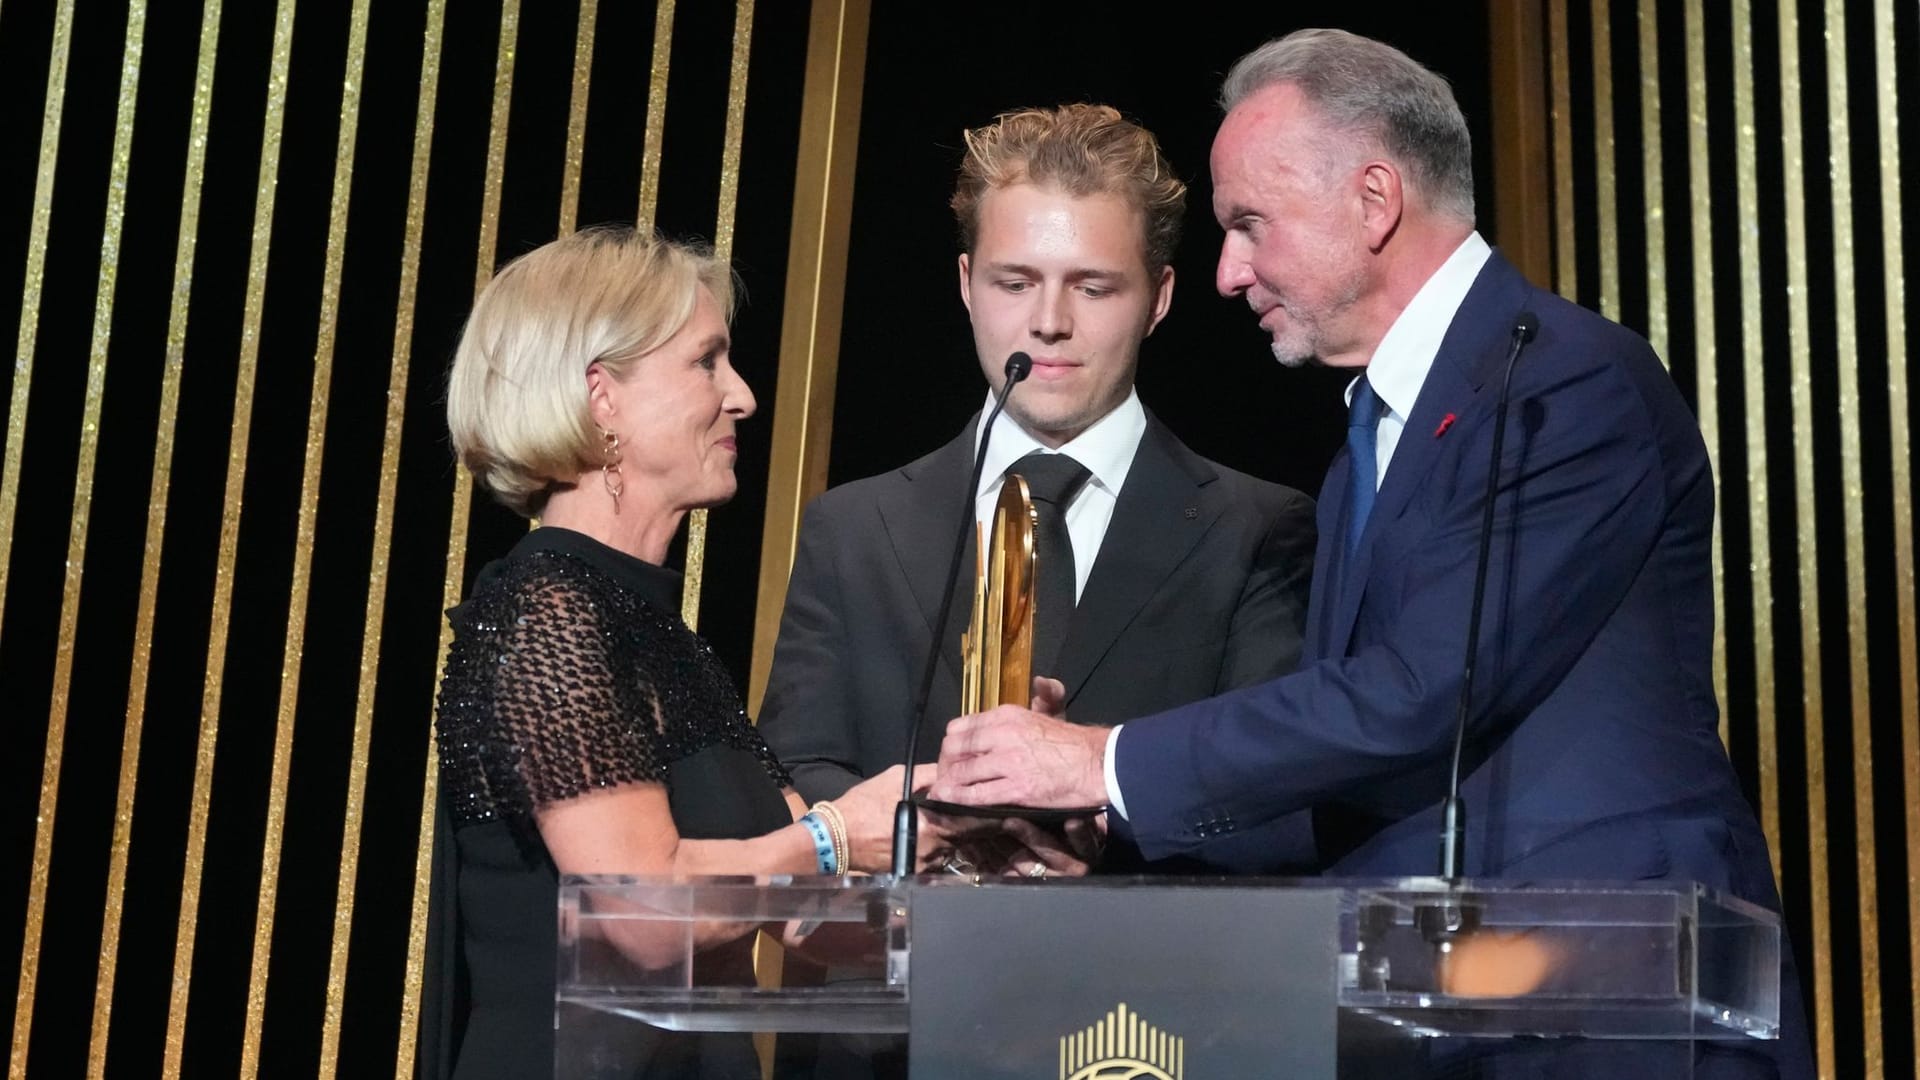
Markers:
(583, 728)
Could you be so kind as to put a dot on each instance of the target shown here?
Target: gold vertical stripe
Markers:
(1654, 184)
(1847, 338)
(1566, 272)
(577, 116)
(402, 351)
(696, 565)
(114, 219)
(292, 651)
(656, 115)
(462, 491)
(723, 247)
(496, 162)
(273, 122)
(1753, 348)
(403, 1068)
(1705, 344)
(1799, 344)
(377, 568)
(30, 291)
(9, 492)
(1605, 194)
(1522, 180)
(156, 531)
(736, 128)
(815, 291)
(1900, 439)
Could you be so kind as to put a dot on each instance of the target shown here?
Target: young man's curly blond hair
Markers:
(1082, 150)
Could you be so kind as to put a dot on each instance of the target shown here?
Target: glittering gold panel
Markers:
(1886, 78)
(696, 560)
(9, 497)
(169, 410)
(229, 537)
(1606, 197)
(1565, 272)
(383, 526)
(462, 503)
(577, 116)
(656, 115)
(1655, 199)
(1793, 170)
(1705, 349)
(297, 615)
(1753, 347)
(83, 471)
(1847, 337)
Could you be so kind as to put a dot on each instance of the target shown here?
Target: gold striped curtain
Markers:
(1726, 178)
(245, 237)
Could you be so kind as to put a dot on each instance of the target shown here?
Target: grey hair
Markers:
(1369, 88)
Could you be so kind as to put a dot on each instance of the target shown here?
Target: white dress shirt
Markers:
(1106, 449)
(1401, 361)
(1397, 370)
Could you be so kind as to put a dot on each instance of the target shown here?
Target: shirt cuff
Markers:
(1114, 802)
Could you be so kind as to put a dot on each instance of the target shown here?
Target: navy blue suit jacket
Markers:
(1593, 749)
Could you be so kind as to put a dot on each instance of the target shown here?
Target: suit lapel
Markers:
(1151, 532)
(920, 517)
(1472, 351)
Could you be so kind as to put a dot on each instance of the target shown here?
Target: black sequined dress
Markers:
(571, 672)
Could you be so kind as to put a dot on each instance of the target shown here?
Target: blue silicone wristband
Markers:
(822, 843)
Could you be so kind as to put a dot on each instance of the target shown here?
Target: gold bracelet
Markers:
(846, 842)
(837, 826)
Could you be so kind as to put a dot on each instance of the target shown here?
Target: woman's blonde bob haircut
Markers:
(517, 393)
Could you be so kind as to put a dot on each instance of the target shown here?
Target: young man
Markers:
(1189, 579)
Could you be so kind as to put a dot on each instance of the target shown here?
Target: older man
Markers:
(1342, 178)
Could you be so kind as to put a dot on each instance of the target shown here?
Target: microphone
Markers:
(1453, 812)
(906, 817)
(1445, 921)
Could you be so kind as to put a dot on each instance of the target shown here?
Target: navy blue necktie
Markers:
(1363, 424)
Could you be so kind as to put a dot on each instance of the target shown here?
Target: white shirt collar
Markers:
(1106, 448)
(1404, 356)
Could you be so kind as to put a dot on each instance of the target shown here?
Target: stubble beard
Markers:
(1304, 340)
(1289, 355)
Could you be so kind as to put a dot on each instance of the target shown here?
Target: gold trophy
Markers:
(996, 652)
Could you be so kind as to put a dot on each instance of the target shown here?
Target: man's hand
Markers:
(1017, 757)
(1049, 697)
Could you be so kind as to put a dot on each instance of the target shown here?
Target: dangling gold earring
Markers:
(610, 466)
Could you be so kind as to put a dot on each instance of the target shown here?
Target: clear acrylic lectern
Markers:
(1155, 977)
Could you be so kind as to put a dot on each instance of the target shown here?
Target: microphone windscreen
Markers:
(1525, 325)
(1019, 365)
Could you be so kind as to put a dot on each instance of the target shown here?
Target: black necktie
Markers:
(1052, 480)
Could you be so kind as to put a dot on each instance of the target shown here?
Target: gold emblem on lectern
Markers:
(1122, 1047)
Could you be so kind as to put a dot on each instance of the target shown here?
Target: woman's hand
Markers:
(868, 808)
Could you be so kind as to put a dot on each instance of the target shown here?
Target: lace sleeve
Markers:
(533, 708)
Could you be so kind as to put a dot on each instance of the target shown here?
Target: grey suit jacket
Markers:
(1200, 587)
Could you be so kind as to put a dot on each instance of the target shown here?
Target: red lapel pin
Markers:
(1445, 423)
